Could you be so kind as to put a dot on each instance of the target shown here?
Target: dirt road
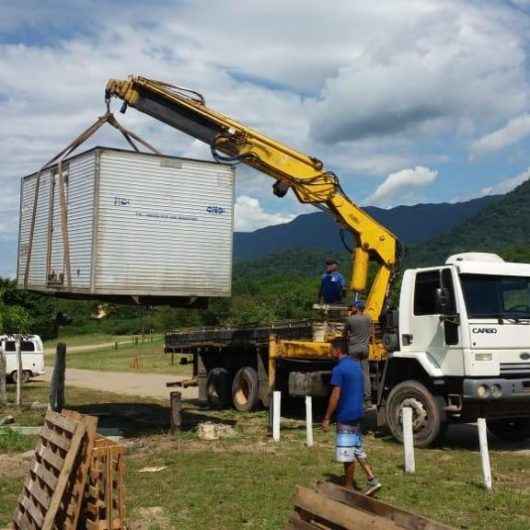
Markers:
(145, 385)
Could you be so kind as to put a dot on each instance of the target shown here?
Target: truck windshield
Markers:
(496, 296)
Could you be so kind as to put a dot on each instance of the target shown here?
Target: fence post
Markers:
(408, 440)
(18, 351)
(57, 381)
(175, 399)
(3, 375)
(276, 414)
(309, 420)
(484, 453)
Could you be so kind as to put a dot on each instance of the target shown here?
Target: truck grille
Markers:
(515, 368)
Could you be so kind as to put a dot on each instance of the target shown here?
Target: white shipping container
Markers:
(138, 225)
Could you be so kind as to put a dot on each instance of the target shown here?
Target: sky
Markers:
(407, 101)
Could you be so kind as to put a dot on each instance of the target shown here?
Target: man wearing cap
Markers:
(332, 284)
(357, 333)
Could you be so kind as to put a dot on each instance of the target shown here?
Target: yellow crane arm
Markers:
(229, 140)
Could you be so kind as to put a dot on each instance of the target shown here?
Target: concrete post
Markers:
(309, 420)
(276, 415)
(484, 453)
(18, 351)
(408, 441)
(3, 375)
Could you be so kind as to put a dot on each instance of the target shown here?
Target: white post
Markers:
(18, 351)
(276, 413)
(3, 375)
(309, 420)
(408, 440)
(484, 453)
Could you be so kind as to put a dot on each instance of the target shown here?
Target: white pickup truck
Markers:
(32, 356)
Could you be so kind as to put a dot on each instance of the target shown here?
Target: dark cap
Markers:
(338, 343)
(331, 261)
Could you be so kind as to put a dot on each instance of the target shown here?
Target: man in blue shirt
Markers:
(332, 284)
(347, 399)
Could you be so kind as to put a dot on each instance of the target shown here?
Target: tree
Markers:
(13, 318)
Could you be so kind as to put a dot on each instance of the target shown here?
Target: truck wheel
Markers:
(510, 430)
(426, 413)
(25, 376)
(218, 388)
(245, 389)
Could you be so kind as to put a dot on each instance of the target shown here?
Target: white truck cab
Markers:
(32, 351)
(462, 348)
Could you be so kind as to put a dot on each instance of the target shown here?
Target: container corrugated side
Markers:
(37, 271)
(168, 231)
(81, 181)
(79, 177)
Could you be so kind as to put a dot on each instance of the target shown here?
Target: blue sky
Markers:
(406, 100)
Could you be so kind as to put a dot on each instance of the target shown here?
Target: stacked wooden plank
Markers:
(328, 506)
(69, 456)
(53, 491)
(104, 507)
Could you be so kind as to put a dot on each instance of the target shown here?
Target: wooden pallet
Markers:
(104, 505)
(54, 488)
(328, 506)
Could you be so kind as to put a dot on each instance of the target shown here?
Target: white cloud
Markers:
(429, 66)
(249, 215)
(503, 186)
(401, 187)
(516, 129)
(506, 185)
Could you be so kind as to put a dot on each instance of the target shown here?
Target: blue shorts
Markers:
(349, 442)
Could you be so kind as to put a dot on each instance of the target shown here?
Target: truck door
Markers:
(440, 339)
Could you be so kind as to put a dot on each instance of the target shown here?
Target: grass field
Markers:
(248, 481)
(151, 358)
(89, 339)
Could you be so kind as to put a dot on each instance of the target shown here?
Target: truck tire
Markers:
(218, 386)
(511, 429)
(426, 413)
(245, 395)
(25, 376)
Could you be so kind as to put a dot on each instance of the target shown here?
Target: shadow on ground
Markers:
(141, 419)
(137, 419)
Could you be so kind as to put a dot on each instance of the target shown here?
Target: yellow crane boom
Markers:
(232, 141)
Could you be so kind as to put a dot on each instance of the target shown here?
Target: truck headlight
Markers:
(483, 356)
(483, 391)
(496, 391)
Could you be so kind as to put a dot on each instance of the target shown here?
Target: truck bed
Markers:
(186, 340)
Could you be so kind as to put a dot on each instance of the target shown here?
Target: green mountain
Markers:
(502, 226)
(412, 224)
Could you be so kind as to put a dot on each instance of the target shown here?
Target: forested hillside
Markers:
(412, 224)
(504, 223)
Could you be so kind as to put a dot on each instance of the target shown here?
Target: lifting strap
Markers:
(109, 118)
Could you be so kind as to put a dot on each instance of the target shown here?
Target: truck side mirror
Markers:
(443, 300)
